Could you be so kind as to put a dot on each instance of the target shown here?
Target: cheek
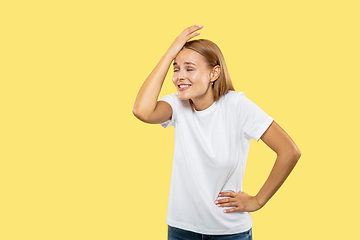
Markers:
(174, 78)
(204, 79)
(194, 76)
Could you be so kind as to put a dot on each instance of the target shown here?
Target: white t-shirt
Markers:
(210, 153)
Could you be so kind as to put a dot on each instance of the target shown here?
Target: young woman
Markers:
(213, 128)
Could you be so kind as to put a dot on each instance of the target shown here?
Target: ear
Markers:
(215, 73)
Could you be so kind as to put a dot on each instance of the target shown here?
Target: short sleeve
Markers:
(170, 99)
(253, 120)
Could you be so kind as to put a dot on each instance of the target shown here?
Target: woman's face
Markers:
(191, 75)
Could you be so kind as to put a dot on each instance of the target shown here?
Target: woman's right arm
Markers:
(146, 107)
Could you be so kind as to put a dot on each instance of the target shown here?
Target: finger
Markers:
(230, 210)
(239, 209)
(225, 200)
(229, 204)
(193, 28)
(236, 209)
(227, 194)
(193, 35)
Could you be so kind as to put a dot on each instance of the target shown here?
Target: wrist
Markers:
(173, 51)
(260, 201)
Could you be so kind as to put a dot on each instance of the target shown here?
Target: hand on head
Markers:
(185, 36)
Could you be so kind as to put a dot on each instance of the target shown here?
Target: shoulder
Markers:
(170, 98)
(233, 94)
(175, 102)
(233, 97)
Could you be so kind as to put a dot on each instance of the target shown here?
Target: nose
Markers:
(181, 75)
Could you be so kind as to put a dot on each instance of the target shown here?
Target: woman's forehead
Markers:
(189, 57)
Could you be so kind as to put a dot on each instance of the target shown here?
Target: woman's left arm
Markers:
(287, 156)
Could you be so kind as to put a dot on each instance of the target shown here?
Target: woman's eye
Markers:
(176, 70)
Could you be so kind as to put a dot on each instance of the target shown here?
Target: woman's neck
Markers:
(203, 102)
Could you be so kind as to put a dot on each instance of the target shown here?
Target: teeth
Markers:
(183, 86)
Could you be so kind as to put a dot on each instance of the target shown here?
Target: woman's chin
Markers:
(181, 97)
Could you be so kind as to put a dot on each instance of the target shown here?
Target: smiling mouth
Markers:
(183, 87)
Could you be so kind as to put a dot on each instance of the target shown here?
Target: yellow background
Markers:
(76, 163)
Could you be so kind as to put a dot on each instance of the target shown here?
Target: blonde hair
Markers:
(213, 56)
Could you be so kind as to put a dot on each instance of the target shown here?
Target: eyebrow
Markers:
(187, 63)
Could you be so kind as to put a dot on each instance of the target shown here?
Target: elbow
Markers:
(139, 114)
(295, 156)
(299, 154)
(135, 112)
(291, 156)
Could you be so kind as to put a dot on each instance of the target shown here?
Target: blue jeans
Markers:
(180, 234)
